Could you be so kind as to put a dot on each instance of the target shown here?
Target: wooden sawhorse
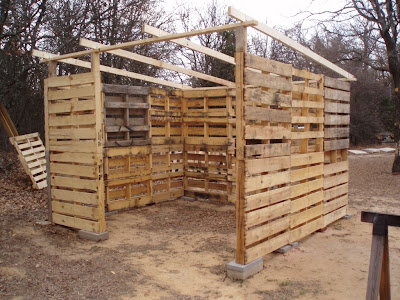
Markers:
(378, 276)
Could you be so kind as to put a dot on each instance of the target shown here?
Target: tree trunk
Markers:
(396, 163)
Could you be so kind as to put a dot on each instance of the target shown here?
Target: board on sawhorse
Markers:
(379, 275)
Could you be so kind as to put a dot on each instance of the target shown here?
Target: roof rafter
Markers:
(156, 39)
(238, 15)
(157, 63)
(111, 70)
(188, 44)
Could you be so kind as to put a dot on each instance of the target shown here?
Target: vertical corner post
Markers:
(241, 48)
(95, 63)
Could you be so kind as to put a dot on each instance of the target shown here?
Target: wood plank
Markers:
(74, 210)
(208, 141)
(70, 80)
(297, 160)
(306, 119)
(266, 114)
(336, 167)
(306, 215)
(69, 106)
(336, 192)
(86, 158)
(267, 198)
(336, 119)
(337, 133)
(266, 214)
(332, 181)
(262, 165)
(268, 246)
(72, 133)
(76, 222)
(74, 196)
(335, 215)
(264, 231)
(257, 95)
(68, 169)
(332, 94)
(306, 229)
(268, 150)
(267, 81)
(306, 187)
(125, 105)
(337, 84)
(307, 172)
(75, 183)
(267, 65)
(306, 74)
(73, 146)
(336, 204)
(259, 182)
(307, 135)
(125, 89)
(259, 132)
(306, 201)
(307, 90)
(72, 120)
(336, 145)
(132, 151)
(78, 92)
(307, 104)
(337, 108)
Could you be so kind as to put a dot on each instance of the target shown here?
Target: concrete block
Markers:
(242, 272)
(93, 236)
(371, 150)
(357, 152)
(347, 217)
(287, 247)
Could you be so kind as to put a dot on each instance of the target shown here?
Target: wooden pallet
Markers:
(267, 132)
(208, 117)
(31, 153)
(307, 159)
(336, 143)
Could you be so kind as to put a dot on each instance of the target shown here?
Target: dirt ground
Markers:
(179, 249)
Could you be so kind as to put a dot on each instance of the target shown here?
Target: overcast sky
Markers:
(276, 13)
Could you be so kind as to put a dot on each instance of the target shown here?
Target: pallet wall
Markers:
(336, 143)
(73, 110)
(208, 130)
(291, 187)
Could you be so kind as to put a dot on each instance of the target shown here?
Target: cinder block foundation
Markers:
(287, 247)
(93, 236)
(238, 271)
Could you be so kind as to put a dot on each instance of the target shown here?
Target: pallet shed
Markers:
(274, 142)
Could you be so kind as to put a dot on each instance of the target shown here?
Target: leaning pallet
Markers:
(31, 153)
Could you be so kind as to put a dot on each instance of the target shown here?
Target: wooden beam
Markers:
(84, 64)
(238, 15)
(188, 44)
(179, 35)
(157, 63)
(7, 122)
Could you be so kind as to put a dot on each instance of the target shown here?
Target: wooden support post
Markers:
(52, 72)
(241, 48)
(99, 139)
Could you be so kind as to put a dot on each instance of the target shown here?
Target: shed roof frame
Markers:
(179, 38)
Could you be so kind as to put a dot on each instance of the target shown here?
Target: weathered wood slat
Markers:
(267, 150)
(265, 181)
(337, 108)
(268, 81)
(79, 92)
(257, 132)
(306, 229)
(336, 167)
(336, 144)
(258, 96)
(264, 231)
(70, 80)
(307, 172)
(267, 65)
(78, 211)
(306, 201)
(332, 181)
(262, 165)
(337, 133)
(268, 213)
(306, 215)
(129, 105)
(336, 204)
(297, 160)
(265, 114)
(74, 196)
(267, 198)
(337, 119)
(336, 192)
(75, 222)
(306, 187)
(337, 84)
(332, 94)
(268, 246)
(335, 215)
(75, 183)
